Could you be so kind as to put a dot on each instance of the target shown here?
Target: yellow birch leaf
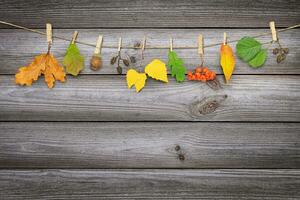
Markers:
(227, 61)
(135, 78)
(157, 69)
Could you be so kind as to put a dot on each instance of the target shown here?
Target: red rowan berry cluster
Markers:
(201, 74)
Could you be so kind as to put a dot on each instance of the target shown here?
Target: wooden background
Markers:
(92, 138)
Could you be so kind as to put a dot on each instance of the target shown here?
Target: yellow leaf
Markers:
(227, 61)
(157, 70)
(42, 64)
(135, 78)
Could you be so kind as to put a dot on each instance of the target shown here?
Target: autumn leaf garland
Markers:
(248, 49)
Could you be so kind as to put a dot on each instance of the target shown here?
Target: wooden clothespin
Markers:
(200, 48)
(120, 44)
(98, 45)
(143, 46)
(96, 61)
(225, 38)
(273, 31)
(74, 37)
(171, 44)
(49, 35)
(200, 44)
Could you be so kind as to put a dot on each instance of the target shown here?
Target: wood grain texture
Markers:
(149, 184)
(149, 145)
(155, 13)
(107, 98)
(18, 48)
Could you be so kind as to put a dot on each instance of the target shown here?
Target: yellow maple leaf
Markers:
(42, 64)
(135, 78)
(157, 69)
(227, 61)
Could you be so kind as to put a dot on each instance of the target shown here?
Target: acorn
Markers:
(96, 62)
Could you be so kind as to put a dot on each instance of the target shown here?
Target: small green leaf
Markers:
(176, 66)
(247, 48)
(73, 60)
(259, 59)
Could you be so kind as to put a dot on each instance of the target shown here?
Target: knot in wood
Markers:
(206, 105)
(177, 148)
(181, 157)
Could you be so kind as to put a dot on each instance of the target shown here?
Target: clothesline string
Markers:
(146, 47)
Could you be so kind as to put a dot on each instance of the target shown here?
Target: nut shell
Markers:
(96, 62)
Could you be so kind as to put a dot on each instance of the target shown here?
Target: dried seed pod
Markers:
(119, 70)
(96, 62)
(126, 62)
(132, 59)
(113, 60)
(275, 51)
(285, 50)
(280, 58)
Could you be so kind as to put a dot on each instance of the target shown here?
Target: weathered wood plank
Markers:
(149, 145)
(106, 98)
(150, 184)
(155, 13)
(17, 48)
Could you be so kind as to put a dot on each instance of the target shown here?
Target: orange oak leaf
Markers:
(42, 64)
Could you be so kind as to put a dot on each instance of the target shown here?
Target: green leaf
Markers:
(247, 48)
(176, 66)
(73, 60)
(259, 59)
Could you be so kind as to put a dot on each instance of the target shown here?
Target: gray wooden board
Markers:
(149, 184)
(222, 137)
(18, 48)
(107, 98)
(149, 145)
(154, 13)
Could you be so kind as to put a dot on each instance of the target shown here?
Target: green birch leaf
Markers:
(73, 60)
(176, 66)
(247, 48)
(259, 59)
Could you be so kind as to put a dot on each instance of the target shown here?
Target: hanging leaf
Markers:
(42, 64)
(227, 61)
(73, 60)
(157, 69)
(259, 59)
(247, 48)
(135, 78)
(176, 66)
(251, 51)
